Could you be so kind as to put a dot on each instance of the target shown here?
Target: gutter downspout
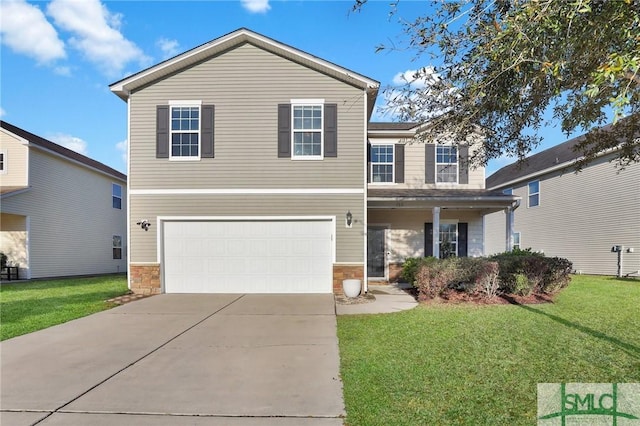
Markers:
(510, 219)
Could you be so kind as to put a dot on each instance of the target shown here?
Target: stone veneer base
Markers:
(145, 279)
(345, 272)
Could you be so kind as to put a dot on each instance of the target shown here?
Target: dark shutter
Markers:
(331, 130)
(368, 162)
(430, 163)
(462, 239)
(399, 163)
(463, 164)
(284, 131)
(428, 239)
(208, 119)
(162, 131)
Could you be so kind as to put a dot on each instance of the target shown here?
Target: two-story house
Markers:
(579, 216)
(61, 213)
(253, 168)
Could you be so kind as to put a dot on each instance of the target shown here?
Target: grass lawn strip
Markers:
(465, 364)
(31, 306)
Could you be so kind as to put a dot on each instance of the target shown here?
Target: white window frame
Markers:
(113, 195)
(529, 193)
(517, 236)
(114, 246)
(457, 163)
(393, 163)
(307, 103)
(3, 171)
(448, 222)
(185, 104)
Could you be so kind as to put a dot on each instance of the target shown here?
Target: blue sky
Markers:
(59, 57)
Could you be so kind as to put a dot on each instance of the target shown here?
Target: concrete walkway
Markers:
(180, 359)
(388, 298)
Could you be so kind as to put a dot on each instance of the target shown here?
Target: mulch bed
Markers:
(459, 297)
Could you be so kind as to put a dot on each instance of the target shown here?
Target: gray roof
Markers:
(551, 157)
(58, 149)
(391, 126)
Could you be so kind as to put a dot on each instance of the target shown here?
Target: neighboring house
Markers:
(61, 213)
(579, 216)
(248, 172)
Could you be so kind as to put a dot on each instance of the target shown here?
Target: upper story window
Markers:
(381, 163)
(446, 164)
(3, 165)
(116, 196)
(185, 130)
(534, 193)
(307, 131)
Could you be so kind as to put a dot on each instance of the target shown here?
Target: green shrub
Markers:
(410, 268)
(434, 277)
(521, 285)
(557, 276)
(543, 274)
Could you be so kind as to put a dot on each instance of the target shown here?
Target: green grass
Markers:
(31, 306)
(479, 365)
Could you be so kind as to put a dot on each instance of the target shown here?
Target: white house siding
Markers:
(405, 236)
(580, 217)
(246, 84)
(71, 221)
(15, 161)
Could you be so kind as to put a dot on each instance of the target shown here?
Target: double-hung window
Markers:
(446, 164)
(516, 241)
(116, 196)
(382, 163)
(117, 247)
(307, 130)
(3, 159)
(185, 130)
(534, 193)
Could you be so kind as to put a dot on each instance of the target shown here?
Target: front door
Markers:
(376, 248)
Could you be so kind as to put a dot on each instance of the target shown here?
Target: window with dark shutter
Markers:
(284, 131)
(399, 163)
(330, 130)
(463, 239)
(208, 125)
(162, 131)
(430, 163)
(463, 164)
(428, 239)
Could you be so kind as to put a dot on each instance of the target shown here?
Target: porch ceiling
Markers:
(459, 199)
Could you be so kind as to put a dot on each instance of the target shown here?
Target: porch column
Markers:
(436, 232)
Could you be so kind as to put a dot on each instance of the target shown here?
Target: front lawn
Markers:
(31, 306)
(463, 364)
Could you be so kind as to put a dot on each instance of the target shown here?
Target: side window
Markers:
(117, 247)
(516, 241)
(116, 196)
(534, 193)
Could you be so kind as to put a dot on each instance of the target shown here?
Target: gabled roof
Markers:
(556, 157)
(391, 126)
(45, 144)
(229, 41)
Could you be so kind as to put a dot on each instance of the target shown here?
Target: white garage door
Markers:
(292, 256)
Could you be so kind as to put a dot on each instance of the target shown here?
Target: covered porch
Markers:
(403, 223)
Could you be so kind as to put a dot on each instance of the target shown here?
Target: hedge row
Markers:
(521, 272)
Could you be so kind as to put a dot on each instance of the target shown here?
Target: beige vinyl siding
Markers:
(71, 219)
(414, 169)
(581, 216)
(349, 247)
(15, 161)
(405, 236)
(246, 84)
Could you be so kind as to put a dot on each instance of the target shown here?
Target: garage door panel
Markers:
(248, 256)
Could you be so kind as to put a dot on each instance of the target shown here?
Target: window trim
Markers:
(529, 193)
(3, 171)
(114, 196)
(309, 103)
(185, 104)
(436, 163)
(116, 247)
(449, 222)
(519, 244)
(393, 163)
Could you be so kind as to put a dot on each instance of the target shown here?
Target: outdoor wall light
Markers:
(144, 224)
(349, 219)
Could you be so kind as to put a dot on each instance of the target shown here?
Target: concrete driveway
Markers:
(180, 360)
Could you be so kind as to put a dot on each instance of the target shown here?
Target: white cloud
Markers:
(64, 71)
(417, 78)
(169, 48)
(96, 34)
(123, 147)
(68, 141)
(25, 29)
(256, 6)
